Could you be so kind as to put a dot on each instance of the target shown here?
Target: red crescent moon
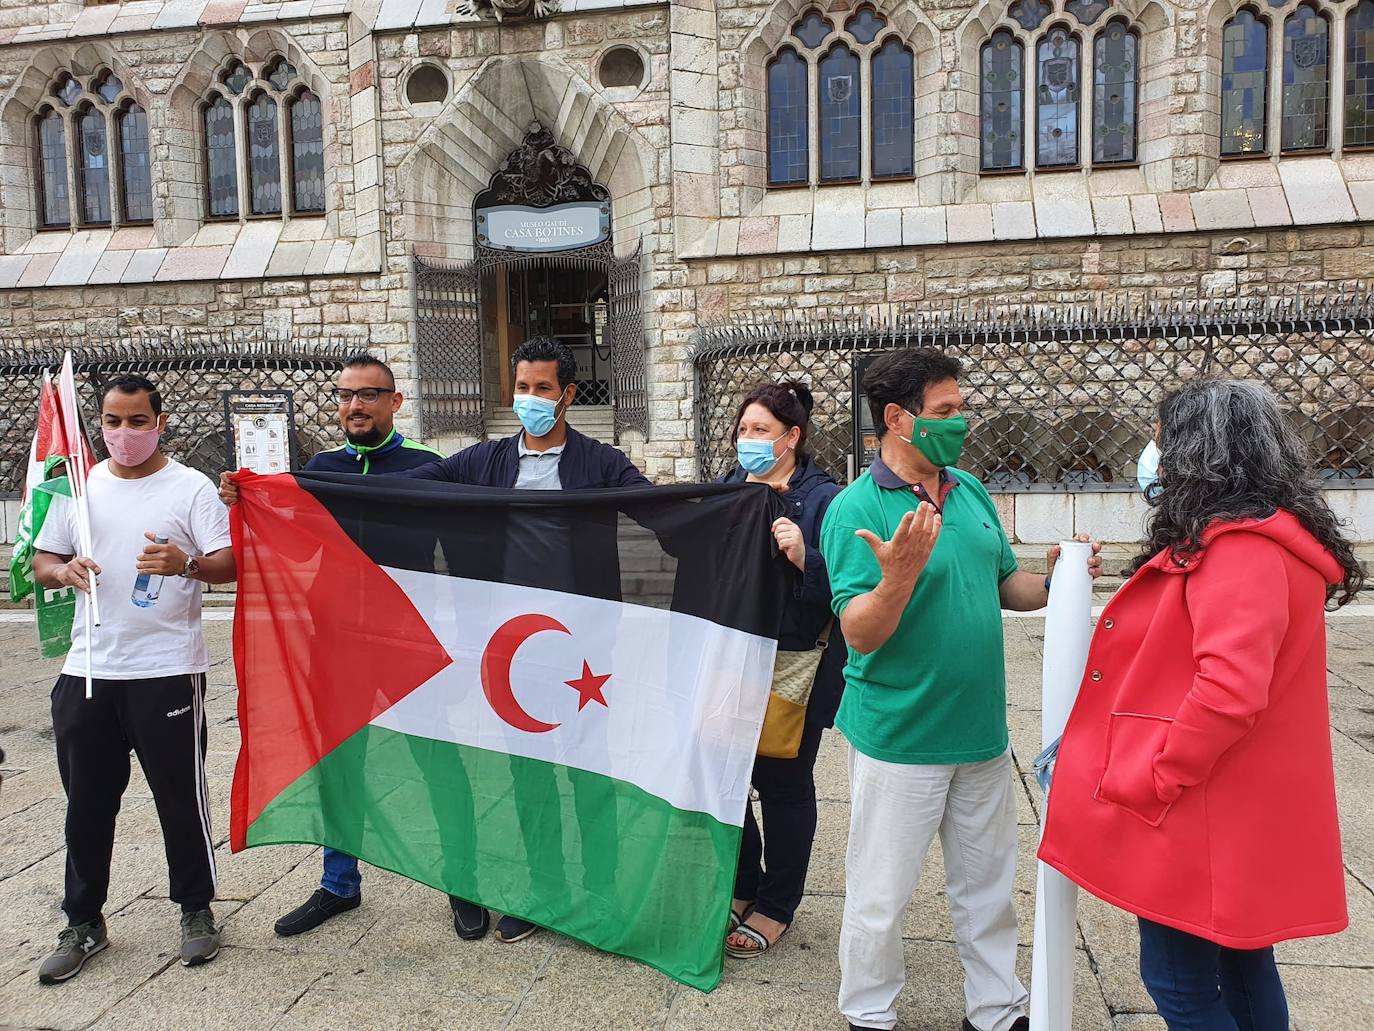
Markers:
(496, 663)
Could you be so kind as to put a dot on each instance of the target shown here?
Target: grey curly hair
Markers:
(1226, 453)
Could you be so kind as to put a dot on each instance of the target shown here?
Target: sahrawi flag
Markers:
(547, 703)
(54, 609)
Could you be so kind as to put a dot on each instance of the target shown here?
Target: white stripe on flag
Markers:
(684, 701)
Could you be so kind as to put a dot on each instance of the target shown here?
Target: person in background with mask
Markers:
(920, 570)
(151, 518)
(1193, 785)
(368, 401)
(770, 439)
(547, 454)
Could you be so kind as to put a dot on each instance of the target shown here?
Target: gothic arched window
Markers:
(841, 118)
(307, 153)
(1359, 75)
(1306, 81)
(134, 165)
(264, 156)
(55, 209)
(787, 121)
(92, 167)
(894, 78)
(859, 73)
(1116, 77)
(1002, 100)
(221, 160)
(1057, 91)
(1244, 83)
(93, 129)
(264, 142)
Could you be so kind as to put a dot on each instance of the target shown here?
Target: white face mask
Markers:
(1147, 470)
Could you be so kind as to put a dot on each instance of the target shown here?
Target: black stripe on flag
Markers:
(705, 550)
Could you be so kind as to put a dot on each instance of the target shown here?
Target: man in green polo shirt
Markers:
(920, 570)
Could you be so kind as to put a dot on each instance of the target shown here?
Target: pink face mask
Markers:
(131, 447)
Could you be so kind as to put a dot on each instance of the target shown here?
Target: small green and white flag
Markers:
(55, 609)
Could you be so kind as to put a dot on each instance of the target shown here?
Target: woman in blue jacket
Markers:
(770, 435)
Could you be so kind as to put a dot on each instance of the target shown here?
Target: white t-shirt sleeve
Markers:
(209, 520)
(56, 536)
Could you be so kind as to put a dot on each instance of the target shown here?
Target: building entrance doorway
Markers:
(570, 305)
(544, 265)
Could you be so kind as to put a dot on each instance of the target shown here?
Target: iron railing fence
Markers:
(1061, 396)
(191, 369)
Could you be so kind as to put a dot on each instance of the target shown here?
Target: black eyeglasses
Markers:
(367, 395)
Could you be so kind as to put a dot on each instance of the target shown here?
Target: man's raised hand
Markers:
(902, 558)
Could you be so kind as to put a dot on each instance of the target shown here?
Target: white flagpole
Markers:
(1068, 632)
(77, 470)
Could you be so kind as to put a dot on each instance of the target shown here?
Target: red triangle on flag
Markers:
(324, 640)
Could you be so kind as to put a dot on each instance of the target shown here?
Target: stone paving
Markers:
(395, 963)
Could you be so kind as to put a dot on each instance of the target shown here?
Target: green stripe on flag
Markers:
(55, 610)
(594, 858)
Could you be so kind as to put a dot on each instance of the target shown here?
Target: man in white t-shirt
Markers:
(148, 664)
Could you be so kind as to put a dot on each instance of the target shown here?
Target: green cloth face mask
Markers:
(940, 440)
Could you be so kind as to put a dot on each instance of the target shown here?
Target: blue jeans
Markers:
(341, 874)
(1198, 985)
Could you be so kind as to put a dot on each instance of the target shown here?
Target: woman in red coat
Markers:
(1193, 785)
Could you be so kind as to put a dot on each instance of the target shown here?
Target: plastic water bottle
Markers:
(148, 585)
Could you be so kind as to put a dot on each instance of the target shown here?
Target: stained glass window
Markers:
(1359, 75)
(264, 157)
(109, 87)
(865, 25)
(134, 165)
(52, 164)
(1087, 11)
(1306, 81)
(307, 154)
(281, 75)
(1029, 14)
(1003, 96)
(236, 77)
(1244, 79)
(813, 30)
(93, 166)
(67, 91)
(1057, 92)
(893, 111)
(841, 120)
(1116, 62)
(787, 121)
(221, 162)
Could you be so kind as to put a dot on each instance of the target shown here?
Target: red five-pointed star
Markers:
(588, 687)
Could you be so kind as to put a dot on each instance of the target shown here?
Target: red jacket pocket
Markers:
(1128, 779)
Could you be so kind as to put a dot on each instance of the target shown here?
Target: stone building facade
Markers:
(755, 159)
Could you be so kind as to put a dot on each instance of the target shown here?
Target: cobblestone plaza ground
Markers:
(395, 963)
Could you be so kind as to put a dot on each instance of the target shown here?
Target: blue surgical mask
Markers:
(756, 456)
(1147, 470)
(538, 415)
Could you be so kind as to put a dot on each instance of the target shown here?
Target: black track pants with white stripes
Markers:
(162, 721)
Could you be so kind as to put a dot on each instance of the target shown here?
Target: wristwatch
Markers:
(192, 567)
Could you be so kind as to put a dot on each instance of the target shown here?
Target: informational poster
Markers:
(258, 427)
(865, 436)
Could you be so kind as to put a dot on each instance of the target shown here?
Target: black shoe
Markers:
(470, 921)
(320, 907)
(1019, 1024)
(511, 929)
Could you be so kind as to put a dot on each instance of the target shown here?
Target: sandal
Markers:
(755, 936)
(738, 918)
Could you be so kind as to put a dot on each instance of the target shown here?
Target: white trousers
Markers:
(896, 810)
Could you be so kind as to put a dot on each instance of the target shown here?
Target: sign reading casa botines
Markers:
(517, 227)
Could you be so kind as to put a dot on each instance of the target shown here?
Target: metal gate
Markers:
(449, 321)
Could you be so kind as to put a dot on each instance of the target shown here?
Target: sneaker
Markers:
(314, 911)
(75, 945)
(470, 921)
(1019, 1024)
(511, 929)
(199, 938)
